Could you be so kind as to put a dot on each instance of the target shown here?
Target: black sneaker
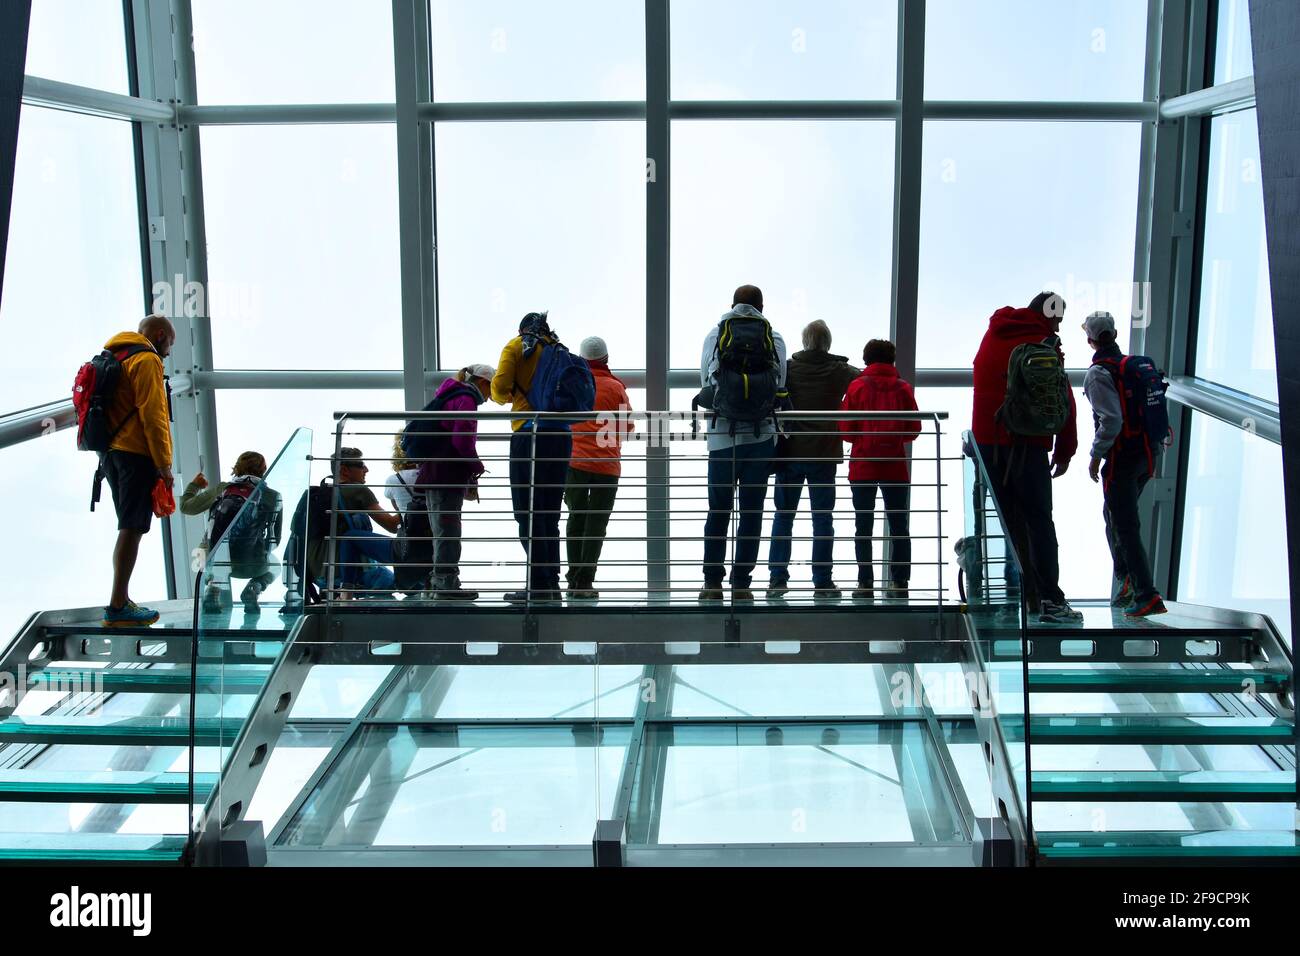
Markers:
(1049, 612)
(777, 590)
(830, 593)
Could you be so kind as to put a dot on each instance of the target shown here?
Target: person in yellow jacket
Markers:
(139, 454)
(539, 462)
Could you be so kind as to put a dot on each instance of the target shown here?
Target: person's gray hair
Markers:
(817, 336)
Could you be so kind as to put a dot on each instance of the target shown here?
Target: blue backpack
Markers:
(562, 382)
(1142, 390)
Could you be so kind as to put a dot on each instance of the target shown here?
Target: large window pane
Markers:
(1234, 550)
(1011, 209)
(1233, 58)
(303, 246)
(57, 554)
(486, 50)
(804, 210)
(79, 41)
(74, 250)
(1234, 343)
(538, 216)
(263, 419)
(782, 50)
(1031, 50)
(293, 51)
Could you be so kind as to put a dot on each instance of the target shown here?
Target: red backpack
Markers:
(92, 390)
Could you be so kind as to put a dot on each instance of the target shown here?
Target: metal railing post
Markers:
(532, 514)
(331, 540)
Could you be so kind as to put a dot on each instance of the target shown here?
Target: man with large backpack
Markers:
(1024, 424)
(537, 373)
(1127, 394)
(123, 413)
(742, 373)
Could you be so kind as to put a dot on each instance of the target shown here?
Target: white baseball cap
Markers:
(1097, 323)
(593, 347)
(481, 371)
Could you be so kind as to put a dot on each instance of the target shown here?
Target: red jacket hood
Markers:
(1009, 327)
(1012, 323)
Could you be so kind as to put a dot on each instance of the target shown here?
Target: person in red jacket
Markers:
(878, 460)
(1021, 469)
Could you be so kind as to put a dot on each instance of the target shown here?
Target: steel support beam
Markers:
(38, 91)
(177, 249)
(36, 422)
(1231, 407)
(658, 138)
(907, 182)
(411, 63)
(14, 20)
(1211, 101)
(1166, 257)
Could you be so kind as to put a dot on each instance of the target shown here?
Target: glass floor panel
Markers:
(778, 690)
(791, 783)
(513, 692)
(514, 785)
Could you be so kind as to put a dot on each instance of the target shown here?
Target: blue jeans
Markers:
(745, 467)
(790, 477)
(362, 546)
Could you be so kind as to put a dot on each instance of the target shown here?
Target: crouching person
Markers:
(248, 516)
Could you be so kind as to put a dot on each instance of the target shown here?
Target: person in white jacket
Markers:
(1123, 469)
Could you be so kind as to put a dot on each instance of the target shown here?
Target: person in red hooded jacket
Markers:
(878, 460)
(1020, 468)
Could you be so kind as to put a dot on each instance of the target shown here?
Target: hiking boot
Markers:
(896, 592)
(540, 596)
(1126, 595)
(1152, 605)
(252, 591)
(129, 614)
(711, 593)
(827, 593)
(582, 594)
(777, 590)
(1049, 612)
(456, 593)
(864, 593)
(742, 595)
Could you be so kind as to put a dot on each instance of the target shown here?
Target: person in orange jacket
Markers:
(594, 468)
(140, 453)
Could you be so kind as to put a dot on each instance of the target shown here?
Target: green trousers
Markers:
(590, 500)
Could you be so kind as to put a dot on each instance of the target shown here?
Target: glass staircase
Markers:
(1156, 741)
(113, 740)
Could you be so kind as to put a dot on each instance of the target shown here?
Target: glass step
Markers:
(120, 731)
(109, 786)
(91, 847)
(1240, 845)
(140, 681)
(1156, 681)
(1176, 786)
(1153, 729)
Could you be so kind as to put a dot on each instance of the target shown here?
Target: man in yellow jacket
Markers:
(139, 454)
(539, 462)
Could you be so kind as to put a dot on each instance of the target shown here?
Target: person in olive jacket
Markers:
(811, 452)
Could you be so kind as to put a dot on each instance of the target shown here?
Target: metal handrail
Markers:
(664, 426)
